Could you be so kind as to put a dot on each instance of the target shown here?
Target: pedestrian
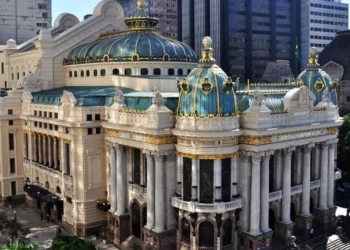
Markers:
(41, 216)
(48, 218)
(311, 232)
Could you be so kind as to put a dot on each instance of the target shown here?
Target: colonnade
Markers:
(160, 185)
(254, 183)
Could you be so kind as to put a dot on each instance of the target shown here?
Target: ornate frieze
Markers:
(331, 131)
(255, 140)
(208, 157)
(113, 133)
(159, 140)
(300, 135)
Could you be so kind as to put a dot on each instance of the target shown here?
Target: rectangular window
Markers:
(10, 111)
(187, 179)
(13, 188)
(206, 180)
(35, 124)
(89, 117)
(44, 15)
(226, 180)
(56, 115)
(17, 76)
(90, 131)
(11, 141)
(10, 122)
(67, 146)
(137, 166)
(26, 148)
(35, 113)
(97, 117)
(56, 127)
(45, 125)
(12, 76)
(45, 114)
(12, 166)
(2, 68)
(50, 114)
(98, 131)
(50, 126)
(40, 113)
(69, 200)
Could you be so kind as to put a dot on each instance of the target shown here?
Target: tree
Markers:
(71, 243)
(343, 162)
(22, 244)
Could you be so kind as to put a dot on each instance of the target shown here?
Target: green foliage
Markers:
(22, 244)
(343, 161)
(71, 243)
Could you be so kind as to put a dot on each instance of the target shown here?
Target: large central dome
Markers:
(140, 42)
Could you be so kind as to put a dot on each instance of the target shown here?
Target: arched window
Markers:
(206, 234)
(127, 72)
(70, 74)
(103, 72)
(58, 190)
(144, 71)
(47, 185)
(187, 179)
(75, 73)
(186, 231)
(157, 72)
(82, 73)
(115, 72)
(166, 57)
(171, 72)
(227, 233)
(106, 58)
(136, 220)
(88, 73)
(180, 72)
(95, 72)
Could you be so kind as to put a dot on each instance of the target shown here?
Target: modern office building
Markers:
(320, 21)
(21, 20)
(164, 10)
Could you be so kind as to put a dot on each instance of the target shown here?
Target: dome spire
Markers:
(142, 21)
(207, 52)
(313, 60)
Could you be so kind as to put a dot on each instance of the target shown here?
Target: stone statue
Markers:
(291, 243)
(157, 97)
(304, 100)
(118, 96)
(258, 97)
(326, 97)
(33, 80)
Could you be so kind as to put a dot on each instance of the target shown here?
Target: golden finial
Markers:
(141, 6)
(207, 42)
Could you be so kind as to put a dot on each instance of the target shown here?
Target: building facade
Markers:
(21, 20)
(165, 11)
(321, 20)
(119, 125)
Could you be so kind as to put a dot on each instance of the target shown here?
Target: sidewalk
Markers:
(40, 231)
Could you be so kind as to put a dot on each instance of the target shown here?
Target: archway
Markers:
(136, 220)
(206, 234)
(227, 233)
(272, 219)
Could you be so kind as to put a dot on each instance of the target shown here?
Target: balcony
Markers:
(195, 207)
(315, 184)
(53, 172)
(137, 189)
(274, 196)
(297, 190)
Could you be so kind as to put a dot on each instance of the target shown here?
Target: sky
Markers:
(82, 7)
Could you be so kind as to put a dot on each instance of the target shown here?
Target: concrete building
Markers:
(119, 125)
(21, 20)
(321, 20)
(165, 11)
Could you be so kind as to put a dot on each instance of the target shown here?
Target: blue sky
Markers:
(82, 7)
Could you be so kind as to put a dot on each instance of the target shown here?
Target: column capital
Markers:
(170, 155)
(110, 145)
(332, 143)
(256, 157)
(307, 148)
(149, 154)
(325, 144)
(288, 151)
(119, 148)
(159, 155)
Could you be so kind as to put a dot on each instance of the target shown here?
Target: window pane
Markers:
(206, 181)
(137, 166)
(187, 179)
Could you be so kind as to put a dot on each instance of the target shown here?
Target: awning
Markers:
(51, 199)
(35, 192)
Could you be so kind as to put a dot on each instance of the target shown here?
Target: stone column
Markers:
(40, 160)
(255, 195)
(316, 162)
(195, 172)
(324, 176)
(55, 156)
(330, 201)
(265, 192)
(170, 187)
(178, 174)
(286, 199)
(150, 190)
(234, 173)
(25, 146)
(121, 183)
(298, 167)
(113, 178)
(49, 142)
(305, 204)
(244, 169)
(278, 171)
(45, 150)
(218, 180)
(159, 193)
(34, 146)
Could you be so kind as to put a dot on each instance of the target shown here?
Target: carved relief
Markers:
(255, 140)
(33, 80)
(68, 101)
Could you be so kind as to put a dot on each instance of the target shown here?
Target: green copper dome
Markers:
(140, 42)
(207, 91)
(316, 79)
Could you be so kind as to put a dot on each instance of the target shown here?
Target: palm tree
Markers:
(22, 244)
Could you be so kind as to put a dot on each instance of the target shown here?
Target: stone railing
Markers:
(315, 184)
(277, 195)
(68, 180)
(337, 175)
(52, 172)
(195, 207)
(297, 190)
(138, 189)
(207, 123)
(26, 163)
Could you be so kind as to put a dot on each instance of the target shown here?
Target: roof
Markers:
(104, 96)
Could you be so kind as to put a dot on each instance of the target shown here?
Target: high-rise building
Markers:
(248, 33)
(164, 10)
(321, 20)
(21, 20)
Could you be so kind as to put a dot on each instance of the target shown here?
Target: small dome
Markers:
(207, 91)
(316, 79)
(140, 42)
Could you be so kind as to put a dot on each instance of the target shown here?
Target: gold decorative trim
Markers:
(206, 86)
(159, 140)
(191, 156)
(113, 133)
(319, 85)
(332, 131)
(178, 153)
(66, 141)
(209, 157)
(255, 140)
(184, 86)
(182, 141)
